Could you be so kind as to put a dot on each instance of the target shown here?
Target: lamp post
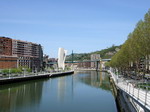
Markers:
(9, 73)
(36, 71)
(24, 71)
(117, 75)
(72, 59)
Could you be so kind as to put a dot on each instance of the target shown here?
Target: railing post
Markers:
(138, 92)
(129, 88)
(133, 90)
(146, 96)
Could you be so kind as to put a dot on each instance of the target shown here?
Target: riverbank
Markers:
(136, 98)
(120, 101)
(33, 77)
(84, 69)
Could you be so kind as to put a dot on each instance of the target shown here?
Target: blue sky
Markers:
(79, 25)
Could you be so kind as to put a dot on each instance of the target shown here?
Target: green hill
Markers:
(104, 53)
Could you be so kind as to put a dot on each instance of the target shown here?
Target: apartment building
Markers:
(6, 58)
(28, 54)
(8, 62)
(5, 46)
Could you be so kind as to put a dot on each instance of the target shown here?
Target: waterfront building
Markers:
(8, 62)
(5, 46)
(49, 62)
(6, 58)
(52, 62)
(93, 58)
(84, 64)
(45, 61)
(27, 54)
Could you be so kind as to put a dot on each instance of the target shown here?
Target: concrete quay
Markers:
(33, 77)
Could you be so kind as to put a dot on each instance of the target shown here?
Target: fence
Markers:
(139, 92)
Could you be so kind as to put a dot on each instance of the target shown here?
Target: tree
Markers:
(135, 48)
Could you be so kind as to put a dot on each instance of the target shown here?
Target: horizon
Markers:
(82, 26)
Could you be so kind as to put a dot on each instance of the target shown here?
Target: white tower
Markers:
(61, 58)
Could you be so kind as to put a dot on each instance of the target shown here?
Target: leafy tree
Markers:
(135, 48)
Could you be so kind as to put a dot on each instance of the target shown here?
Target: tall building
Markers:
(5, 46)
(6, 58)
(61, 58)
(28, 54)
(93, 58)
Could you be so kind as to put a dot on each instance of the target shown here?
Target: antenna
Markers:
(72, 56)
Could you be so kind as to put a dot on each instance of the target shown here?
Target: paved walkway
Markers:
(140, 95)
(31, 77)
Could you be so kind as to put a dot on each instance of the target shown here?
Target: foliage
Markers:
(144, 86)
(107, 64)
(82, 56)
(5, 71)
(67, 68)
(25, 69)
(14, 70)
(86, 56)
(135, 48)
(104, 53)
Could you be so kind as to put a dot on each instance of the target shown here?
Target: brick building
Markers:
(8, 62)
(27, 54)
(6, 58)
(5, 46)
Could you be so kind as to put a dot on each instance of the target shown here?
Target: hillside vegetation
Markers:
(104, 53)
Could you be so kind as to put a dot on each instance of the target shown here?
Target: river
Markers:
(87, 91)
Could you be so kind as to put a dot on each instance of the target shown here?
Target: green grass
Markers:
(144, 86)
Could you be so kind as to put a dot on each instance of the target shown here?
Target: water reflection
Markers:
(96, 79)
(82, 92)
(63, 87)
(25, 95)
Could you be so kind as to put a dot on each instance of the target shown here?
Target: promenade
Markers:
(12, 79)
(141, 96)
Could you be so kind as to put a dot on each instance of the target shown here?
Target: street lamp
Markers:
(117, 75)
(23, 71)
(9, 73)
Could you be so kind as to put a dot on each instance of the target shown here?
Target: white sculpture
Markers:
(61, 58)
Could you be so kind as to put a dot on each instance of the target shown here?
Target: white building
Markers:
(61, 58)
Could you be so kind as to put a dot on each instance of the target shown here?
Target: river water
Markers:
(87, 91)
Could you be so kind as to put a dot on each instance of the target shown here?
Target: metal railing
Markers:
(139, 92)
(143, 95)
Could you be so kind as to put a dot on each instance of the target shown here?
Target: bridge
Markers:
(139, 96)
(97, 62)
(87, 61)
(82, 61)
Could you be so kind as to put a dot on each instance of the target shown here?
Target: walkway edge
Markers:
(33, 77)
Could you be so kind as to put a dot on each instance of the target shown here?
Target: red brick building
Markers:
(8, 62)
(17, 53)
(6, 58)
(5, 46)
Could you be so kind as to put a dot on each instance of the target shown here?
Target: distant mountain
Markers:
(104, 53)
